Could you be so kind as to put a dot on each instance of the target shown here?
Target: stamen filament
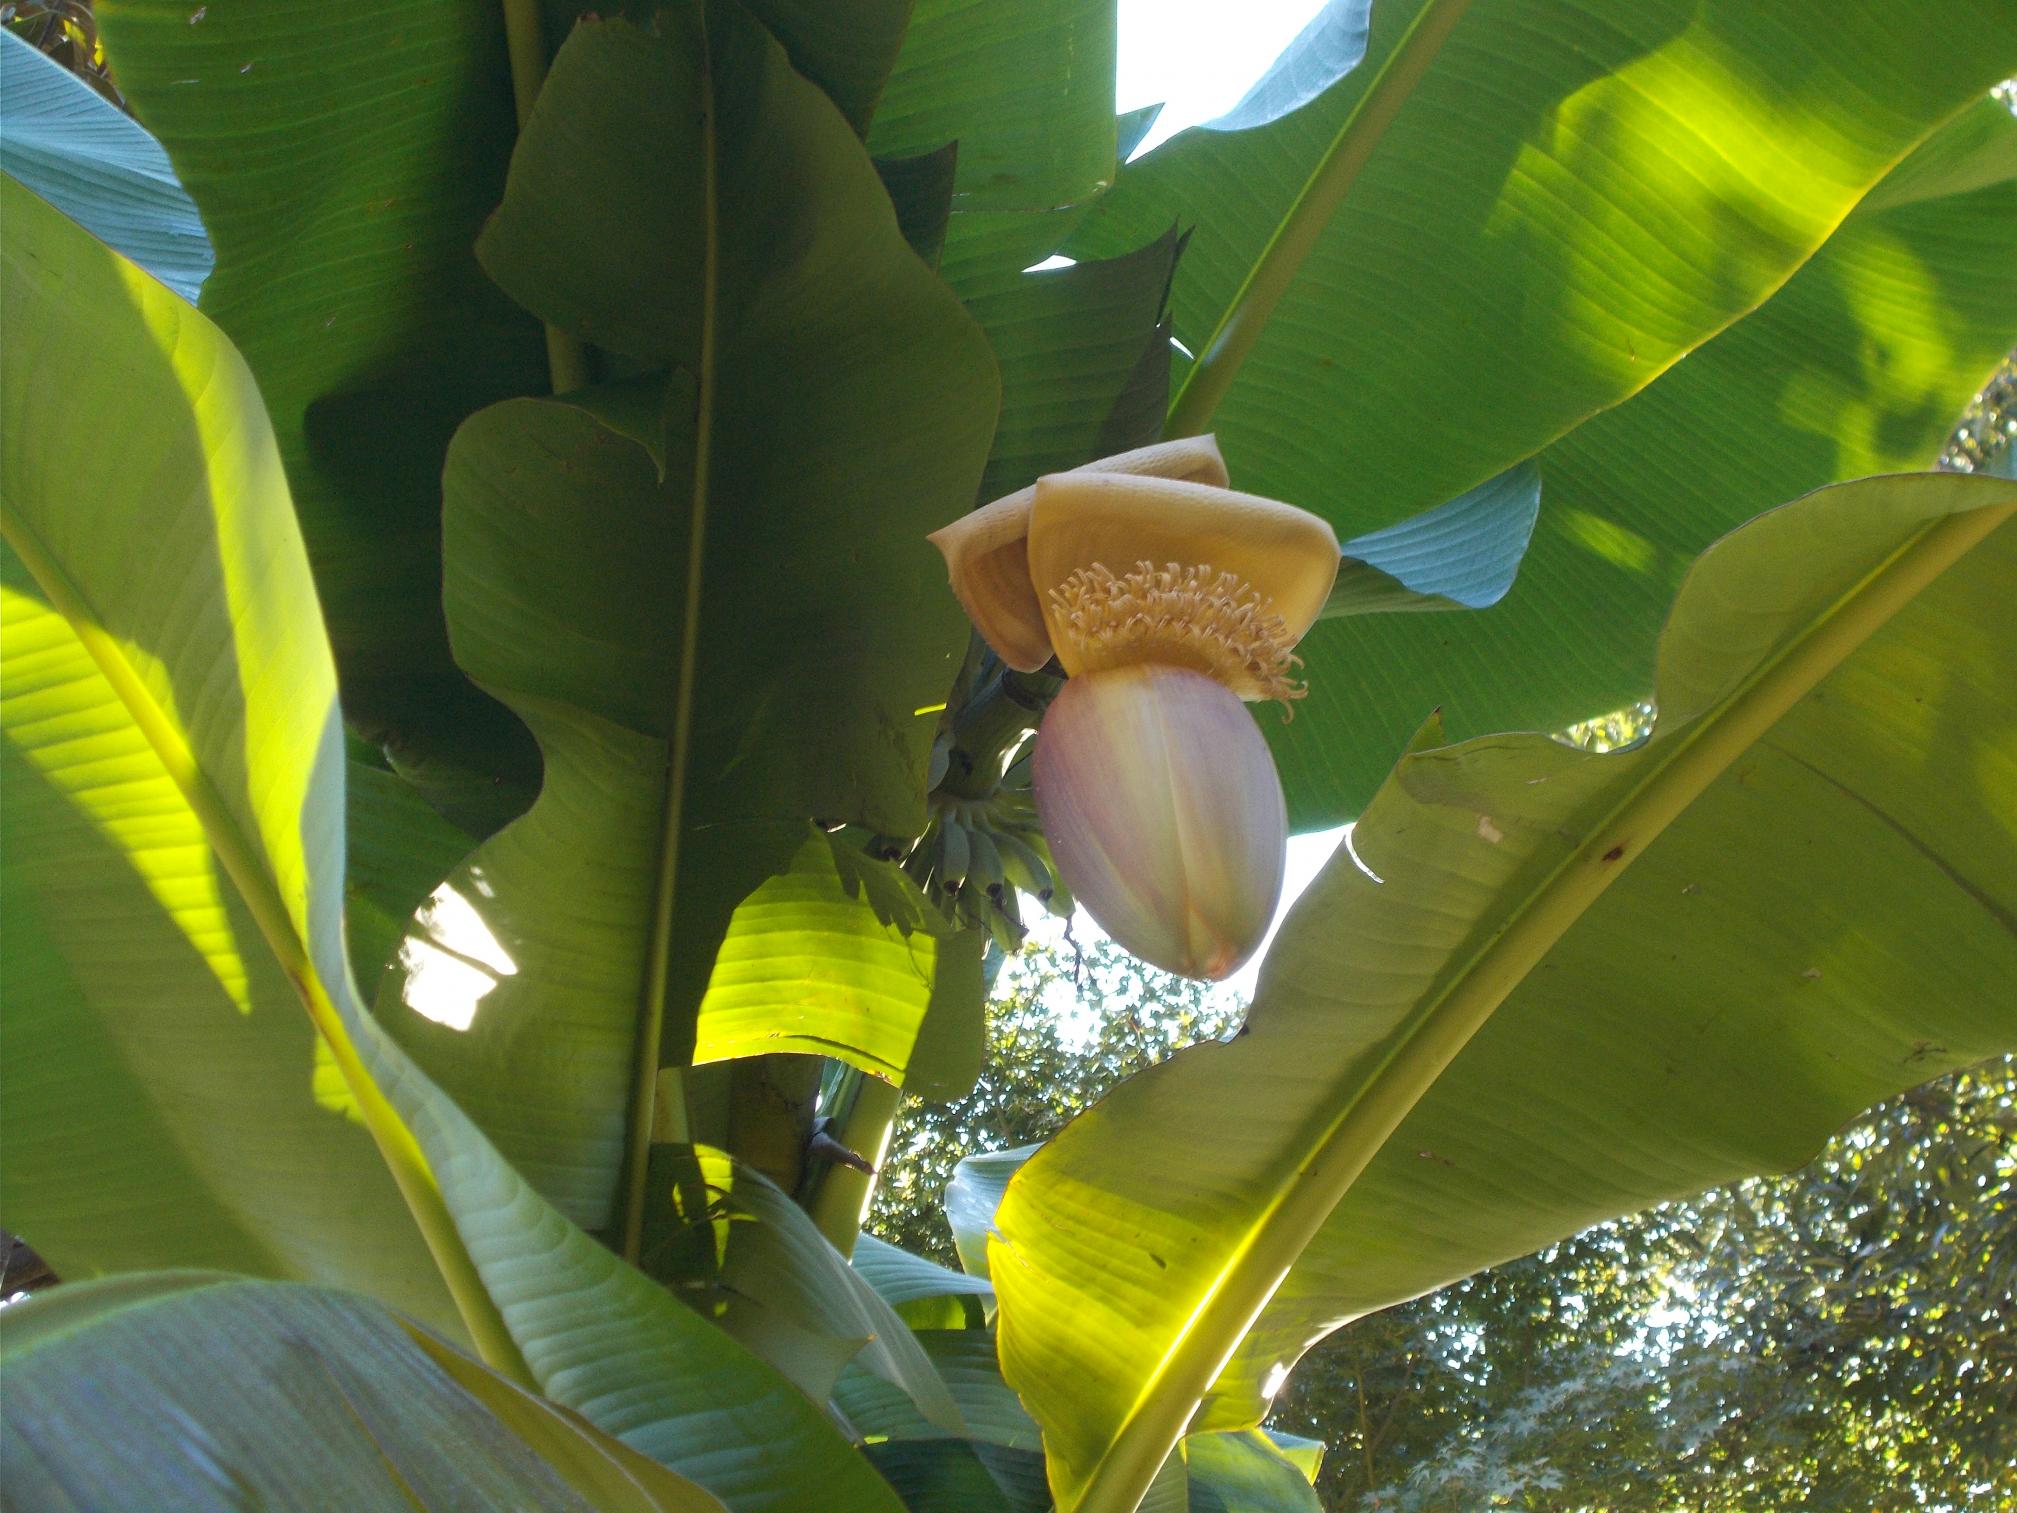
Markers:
(1184, 615)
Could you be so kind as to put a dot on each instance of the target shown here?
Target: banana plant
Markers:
(502, 802)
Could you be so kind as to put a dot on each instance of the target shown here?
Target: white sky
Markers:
(1197, 57)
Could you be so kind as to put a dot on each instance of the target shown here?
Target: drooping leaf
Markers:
(901, 1277)
(776, 1259)
(342, 186)
(1815, 883)
(83, 155)
(230, 1393)
(1460, 555)
(1858, 365)
(972, 1197)
(806, 968)
(1628, 185)
(833, 406)
(1028, 94)
(178, 574)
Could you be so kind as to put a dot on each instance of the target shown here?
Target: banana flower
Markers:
(1168, 598)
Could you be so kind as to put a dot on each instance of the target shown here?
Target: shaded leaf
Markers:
(921, 190)
(776, 1258)
(90, 160)
(837, 409)
(1028, 95)
(1244, 1473)
(342, 186)
(1460, 555)
(231, 1393)
(901, 1277)
(1072, 343)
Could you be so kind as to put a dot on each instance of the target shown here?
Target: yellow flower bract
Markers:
(1145, 557)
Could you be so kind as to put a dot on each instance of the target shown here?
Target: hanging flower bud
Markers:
(1164, 815)
(1168, 598)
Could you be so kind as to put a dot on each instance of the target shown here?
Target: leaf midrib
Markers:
(1240, 324)
(646, 1087)
(1332, 1161)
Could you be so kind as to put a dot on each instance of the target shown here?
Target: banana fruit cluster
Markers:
(975, 858)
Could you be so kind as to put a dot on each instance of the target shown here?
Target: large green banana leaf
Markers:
(342, 184)
(1569, 199)
(1567, 193)
(230, 1393)
(1545, 986)
(181, 728)
(711, 651)
(846, 47)
(1858, 365)
(1027, 92)
(167, 1103)
(1084, 360)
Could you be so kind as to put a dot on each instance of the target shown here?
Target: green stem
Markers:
(646, 1087)
(1241, 325)
(844, 1193)
(243, 861)
(991, 729)
(525, 43)
(1342, 1148)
